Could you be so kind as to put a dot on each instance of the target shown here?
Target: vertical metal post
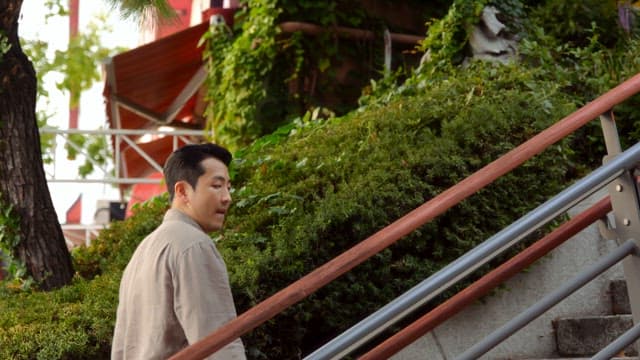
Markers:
(626, 212)
(387, 52)
(110, 73)
(610, 351)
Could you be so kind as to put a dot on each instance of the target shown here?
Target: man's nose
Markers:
(226, 196)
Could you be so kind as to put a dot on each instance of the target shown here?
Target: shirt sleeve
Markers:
(202, 296)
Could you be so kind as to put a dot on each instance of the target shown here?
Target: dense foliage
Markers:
(349, 177)
(261, 77)
(76, 322)
(313, 188)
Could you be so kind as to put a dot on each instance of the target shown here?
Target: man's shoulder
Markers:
(181, 235)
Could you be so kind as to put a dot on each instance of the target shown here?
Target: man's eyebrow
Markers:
(221, 178)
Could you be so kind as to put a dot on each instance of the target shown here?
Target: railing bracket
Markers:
(606, 231)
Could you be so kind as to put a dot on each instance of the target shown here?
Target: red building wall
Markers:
(183, 11)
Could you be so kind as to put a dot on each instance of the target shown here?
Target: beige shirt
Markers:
(174, 291)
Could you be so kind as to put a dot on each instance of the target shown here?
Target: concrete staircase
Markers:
(554, 334)
(582, 337)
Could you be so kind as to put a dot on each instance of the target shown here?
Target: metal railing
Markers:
(488, 282)
(616, 168)
(112, 173)
(85, 233)
(480, 255)
(550, 300)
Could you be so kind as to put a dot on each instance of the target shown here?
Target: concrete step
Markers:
(585, 336)
(619, 297)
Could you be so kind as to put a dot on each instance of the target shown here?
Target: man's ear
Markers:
(181, 190)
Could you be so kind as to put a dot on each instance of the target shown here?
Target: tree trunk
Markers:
(23, 184)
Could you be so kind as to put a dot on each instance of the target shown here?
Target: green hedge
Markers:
(313, 190)
(301, 202)
(76, 322)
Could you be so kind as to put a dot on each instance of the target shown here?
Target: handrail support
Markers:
(625, 203)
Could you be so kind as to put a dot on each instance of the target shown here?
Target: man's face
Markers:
(210, 200)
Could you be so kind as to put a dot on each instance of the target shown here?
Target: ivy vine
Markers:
(17, 276)
(5, 46)
(260, 78)
(237, 68)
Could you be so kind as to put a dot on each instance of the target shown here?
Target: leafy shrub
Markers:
(569, 22)
(311, 191)
(76, 322)
(302, 201)
(260, 78)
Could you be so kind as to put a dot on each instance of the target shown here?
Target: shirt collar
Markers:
(177, 215)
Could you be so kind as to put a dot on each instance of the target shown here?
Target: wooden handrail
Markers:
(481, 287)
(379, 241)
(347, 32)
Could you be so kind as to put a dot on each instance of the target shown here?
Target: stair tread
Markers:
(589, 317)
(586, 335)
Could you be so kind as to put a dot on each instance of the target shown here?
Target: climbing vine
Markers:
(261, 77)
(443, 47)
(17, 277)
(238, 66)
(448, 36)
(4, 44)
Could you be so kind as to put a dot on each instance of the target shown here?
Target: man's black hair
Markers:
(185, 163)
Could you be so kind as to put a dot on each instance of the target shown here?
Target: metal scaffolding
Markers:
(133, 141)
(112, 173)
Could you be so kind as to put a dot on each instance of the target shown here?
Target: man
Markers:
(175, 289)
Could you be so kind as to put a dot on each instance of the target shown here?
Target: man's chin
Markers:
(214, 227)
